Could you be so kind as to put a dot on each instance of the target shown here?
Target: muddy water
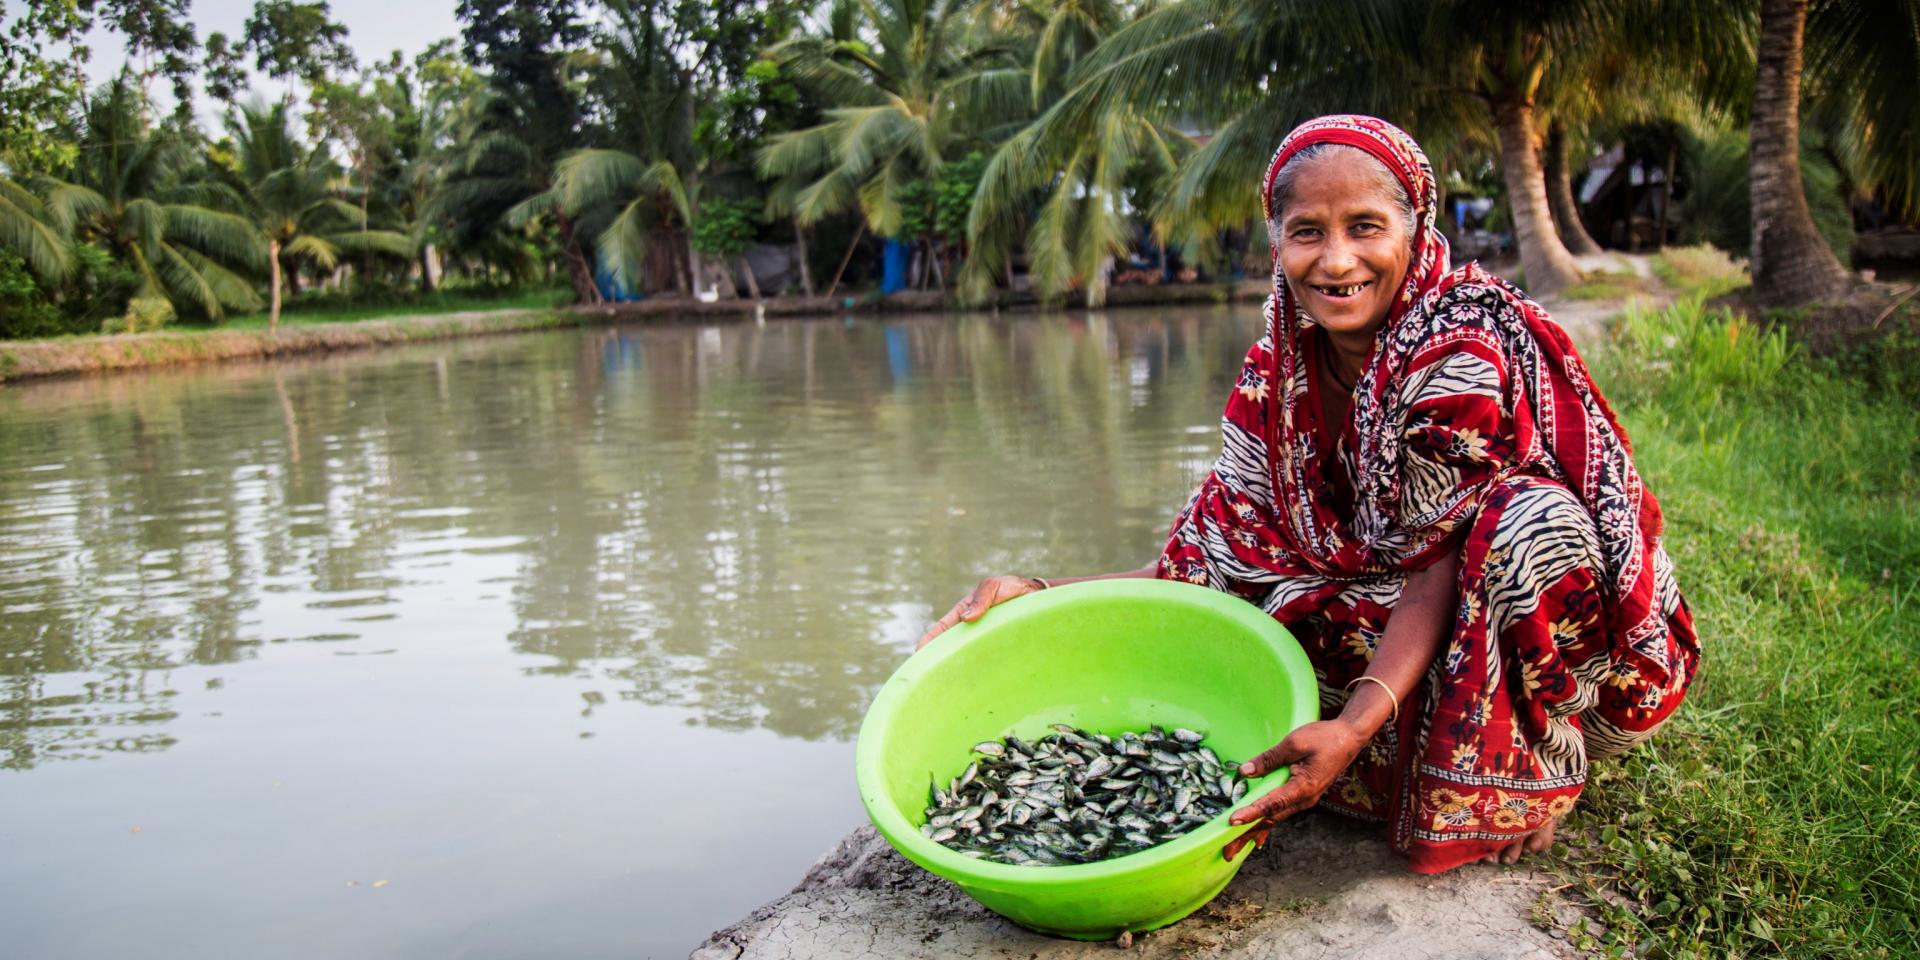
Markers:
(544, 645)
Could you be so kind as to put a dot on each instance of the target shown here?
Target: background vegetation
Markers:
(1776, 815)
(622, 147)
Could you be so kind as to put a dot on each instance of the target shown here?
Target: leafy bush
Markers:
(939, 207)
(24, 309)
(726, 227)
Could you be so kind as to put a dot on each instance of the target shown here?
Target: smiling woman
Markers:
(1419, 478)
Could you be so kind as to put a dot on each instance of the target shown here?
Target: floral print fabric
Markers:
(1475, 428)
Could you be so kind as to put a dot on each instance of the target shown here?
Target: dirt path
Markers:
(1327, 887)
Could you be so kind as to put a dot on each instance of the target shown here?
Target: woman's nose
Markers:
(1337, 256)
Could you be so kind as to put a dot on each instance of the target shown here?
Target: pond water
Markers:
(541, 645)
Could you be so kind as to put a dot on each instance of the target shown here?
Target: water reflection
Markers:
(750, 522)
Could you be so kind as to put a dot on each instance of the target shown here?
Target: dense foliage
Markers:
(649, 145)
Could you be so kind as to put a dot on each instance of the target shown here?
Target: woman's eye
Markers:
(1366, 229)
(1305, 233)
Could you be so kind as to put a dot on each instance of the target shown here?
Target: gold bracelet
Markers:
(1395, 718)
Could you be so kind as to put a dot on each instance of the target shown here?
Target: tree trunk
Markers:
(800, 244)
(753, 283)
(1791, 262)
(851, 247)
(429, 268)
(1550, 267)
(1566, 212)
(581, 275)
(1666, 193)
(273, 262)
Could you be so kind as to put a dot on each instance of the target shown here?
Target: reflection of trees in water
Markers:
(749, 521)
(785, 504)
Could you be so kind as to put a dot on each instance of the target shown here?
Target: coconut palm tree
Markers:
(287, 190)
(1253, 71)
(642, 194)
(917, 82)
(1073, 196)
(1857, 60)
(491, 171)
(124, 193)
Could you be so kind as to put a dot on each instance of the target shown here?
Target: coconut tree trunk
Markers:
(753, 282)
(273, 263)
(429, 268)
(581, 276)
(1666, 193)
(1566, 213)
(858, 235)
(800, 244)
(1550, 267)
(1791, 262)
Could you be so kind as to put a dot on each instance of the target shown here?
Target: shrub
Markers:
(24, 310)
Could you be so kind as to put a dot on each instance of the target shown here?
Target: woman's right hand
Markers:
(971, 607)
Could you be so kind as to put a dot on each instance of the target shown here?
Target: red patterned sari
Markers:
(1475, 428)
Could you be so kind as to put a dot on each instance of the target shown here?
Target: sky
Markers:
(375, 28)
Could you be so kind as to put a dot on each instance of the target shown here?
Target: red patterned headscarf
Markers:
(1265, 517)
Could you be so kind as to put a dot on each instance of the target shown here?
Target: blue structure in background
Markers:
(893, 276)
(611, 289)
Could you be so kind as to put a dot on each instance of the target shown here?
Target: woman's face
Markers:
(1344, 245)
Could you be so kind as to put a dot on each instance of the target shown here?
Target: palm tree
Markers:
(1790, 261)
(124, 193)
(1082, 211)
(916, 82)
(644, 194)
(1858, 60)
(285, 189)
(490, 172)
(649, 195)
(1253, 71)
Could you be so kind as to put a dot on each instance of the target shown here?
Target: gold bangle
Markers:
(1395, 718)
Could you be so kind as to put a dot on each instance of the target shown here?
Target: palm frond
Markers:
(24, 229)
(223, 236)
(316, 250)
(70, 204)
(387, 242)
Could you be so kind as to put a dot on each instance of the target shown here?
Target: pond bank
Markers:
(1326, 886)
(67, 356)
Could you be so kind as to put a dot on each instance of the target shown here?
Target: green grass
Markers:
(1599, 288)
(1779, 812)
(1702, 270)
(322, 310)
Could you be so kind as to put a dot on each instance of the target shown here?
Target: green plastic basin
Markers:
(1109, 656)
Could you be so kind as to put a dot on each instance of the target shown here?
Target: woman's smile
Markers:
(1341, 292)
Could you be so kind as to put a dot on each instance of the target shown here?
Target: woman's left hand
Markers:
(1317, 752)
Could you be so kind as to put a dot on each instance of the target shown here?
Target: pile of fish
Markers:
(1079, 797)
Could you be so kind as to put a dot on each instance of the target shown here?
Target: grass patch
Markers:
(1776, 815)
(1704, 270)
(323, 309)
(1597, 289)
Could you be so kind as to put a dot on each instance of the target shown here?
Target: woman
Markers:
(1419, 478)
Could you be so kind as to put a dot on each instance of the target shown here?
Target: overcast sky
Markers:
(375, 28)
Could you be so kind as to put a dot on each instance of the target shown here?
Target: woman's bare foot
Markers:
(1536, 842)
